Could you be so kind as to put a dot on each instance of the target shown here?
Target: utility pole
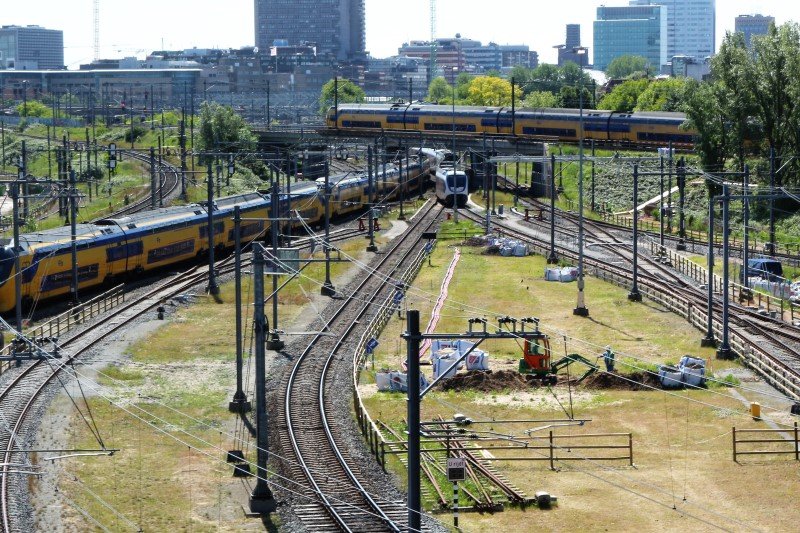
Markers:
(275, 343)
(160, 176)
(661, 210)
(327, 287)
(183, 159)
(261, 499)
(724, 351)
(552, 257)
(746, 223)
(153, 189)
(681, 203)
(635, 295)
(593, 175)
(73, 215)
(371, 181)
(414, 497)
(709, 341)
(15, 226)
(771, 247)
(239, 403)
(403, 185)
(213, 289)
(24, 156)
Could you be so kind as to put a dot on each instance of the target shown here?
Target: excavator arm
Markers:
(567, 360)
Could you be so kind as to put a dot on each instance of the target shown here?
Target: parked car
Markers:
(765, 268)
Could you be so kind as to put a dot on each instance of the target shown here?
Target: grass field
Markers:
(187, 365)
(681, 440)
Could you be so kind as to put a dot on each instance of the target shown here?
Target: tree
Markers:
(463, 81)
(223, 130)
(624, 96)
(569, 97)
(732, 68)
(626, 66)
(539, 99)
(489, 91)
(705, 115)
(775, 89)
(347, 92)
(440, 92)
(663, 95)
(34, 109)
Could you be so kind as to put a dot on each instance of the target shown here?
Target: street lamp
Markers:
(455, 159)
(580, 308)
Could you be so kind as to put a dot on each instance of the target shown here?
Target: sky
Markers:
(136, 28)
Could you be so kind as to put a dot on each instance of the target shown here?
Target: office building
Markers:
(691, 26)
(573, 35)
(751, 25)
(567, 52)
(31, 48)
(630, 30)
(458, 55)
(337, 27)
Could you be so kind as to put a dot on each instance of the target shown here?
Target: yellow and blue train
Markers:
(640, 128)
(110, 249)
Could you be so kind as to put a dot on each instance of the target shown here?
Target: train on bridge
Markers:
(562, 125)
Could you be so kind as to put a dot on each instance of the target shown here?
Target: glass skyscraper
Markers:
(631, 30)
(751, 25)
(337, 27)
(691, 26)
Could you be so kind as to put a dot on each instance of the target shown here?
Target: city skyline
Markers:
(138, 31)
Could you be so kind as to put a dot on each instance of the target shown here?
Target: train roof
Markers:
(60, 235)
(480, 110)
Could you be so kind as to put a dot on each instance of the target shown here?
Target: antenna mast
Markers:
(432, 71)
(96, 30)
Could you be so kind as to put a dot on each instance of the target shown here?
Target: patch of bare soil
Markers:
(636, 381)
(489, 381)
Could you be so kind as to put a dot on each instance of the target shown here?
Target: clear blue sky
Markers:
(135, 28)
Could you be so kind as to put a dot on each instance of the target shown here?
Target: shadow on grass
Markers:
(603, 324)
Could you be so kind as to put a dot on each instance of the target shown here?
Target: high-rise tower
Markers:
(691, 26)
(337, 27)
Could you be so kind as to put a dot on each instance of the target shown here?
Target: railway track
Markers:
(18, 398)
(777, 360)
(313, 438)
(166, 191)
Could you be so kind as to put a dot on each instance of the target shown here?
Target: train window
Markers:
(131, 226)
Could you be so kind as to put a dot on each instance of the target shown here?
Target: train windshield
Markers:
(457, 182)
(6, 263)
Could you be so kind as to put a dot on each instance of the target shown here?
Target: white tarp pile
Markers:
(564, 275)
(396, 381)
(508, 247)
(446, 352)
(775, 288)
(691, 372)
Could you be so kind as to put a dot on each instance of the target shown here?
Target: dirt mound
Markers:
(489, 381)
(635, 381)
(510, 380)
